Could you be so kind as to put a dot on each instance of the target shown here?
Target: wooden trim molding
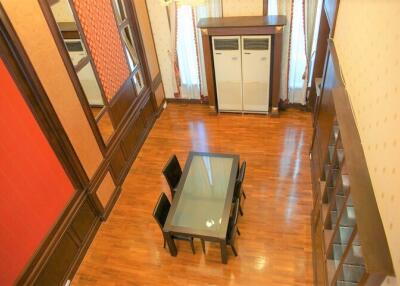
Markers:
(247, 26)
(184, 100)
(265, 7)
(156, 82)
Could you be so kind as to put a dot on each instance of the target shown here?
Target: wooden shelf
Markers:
(330, 270)
(318, 86)
(370, 228)
(355, 245)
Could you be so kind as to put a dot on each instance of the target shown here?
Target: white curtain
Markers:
(297, 62)
(187, 53)
(212, 8)
(273, 7)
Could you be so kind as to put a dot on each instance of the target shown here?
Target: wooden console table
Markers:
(252, 25)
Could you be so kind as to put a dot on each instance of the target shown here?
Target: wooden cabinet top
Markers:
(247, 21)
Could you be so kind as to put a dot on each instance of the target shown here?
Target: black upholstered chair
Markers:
(172, 173)
(240, 177)
(232, 229)
(239, 192)
(160, 214)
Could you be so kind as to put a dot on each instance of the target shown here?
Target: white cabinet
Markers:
(256, 64)
(242, 72)
(228, 75)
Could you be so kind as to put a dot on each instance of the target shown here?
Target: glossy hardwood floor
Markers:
(275, 243)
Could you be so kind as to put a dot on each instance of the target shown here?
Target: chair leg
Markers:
(240, 210)
(192, 245)
(244, 194)
(234, 250)
(203, 245)
(237, 230)
(164, 242)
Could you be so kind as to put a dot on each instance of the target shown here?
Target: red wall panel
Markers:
(34, 189)
(101, 31)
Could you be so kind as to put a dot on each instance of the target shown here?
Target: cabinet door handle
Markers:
(234, 58)
(247, 53)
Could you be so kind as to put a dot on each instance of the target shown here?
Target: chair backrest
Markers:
(172, 172)
(238, 188)
(242, 172)
(161, 210)
(233, 222)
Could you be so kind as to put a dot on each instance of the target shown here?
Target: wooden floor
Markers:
(275, 243)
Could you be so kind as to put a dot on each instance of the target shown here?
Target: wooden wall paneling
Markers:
(106, 190)
(67, 255)
(85, 219)
(122, 103)
(132, 137)
(209, 69)
(117, 164)
(147, 113)
(159, 92)
(59, 262)
(276, 72)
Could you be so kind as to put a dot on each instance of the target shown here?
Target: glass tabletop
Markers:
(201, 200)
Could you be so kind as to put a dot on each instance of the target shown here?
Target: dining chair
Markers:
(160, 214)
(240, 176)
(237, 195)
(239, 191)
(172, 172)
(232, 230)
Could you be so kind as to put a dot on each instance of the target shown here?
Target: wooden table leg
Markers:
(171, 244)
(224, 254)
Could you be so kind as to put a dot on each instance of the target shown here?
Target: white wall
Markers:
(242, 8)
(367, 39)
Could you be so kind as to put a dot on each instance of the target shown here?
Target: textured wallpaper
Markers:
(242, 8)
(367, 38)
(100, 28)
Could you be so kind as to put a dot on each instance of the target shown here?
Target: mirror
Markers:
(82, 63)
(129, 44)
(120, 10)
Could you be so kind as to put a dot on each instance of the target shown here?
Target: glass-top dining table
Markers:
(203, 199)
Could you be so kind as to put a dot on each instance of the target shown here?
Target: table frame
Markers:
(220, 237)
